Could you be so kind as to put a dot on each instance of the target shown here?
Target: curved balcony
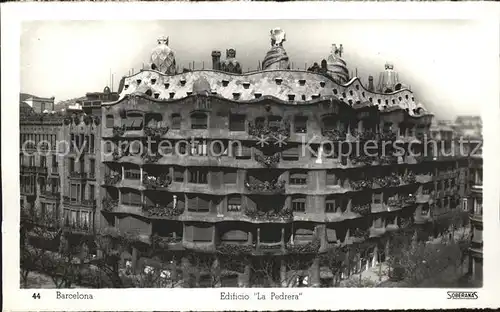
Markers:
(112, 179)
(109, 205)
(89, 203)
(360, 185)
(268, 161)
(160, 211)
(266, 188)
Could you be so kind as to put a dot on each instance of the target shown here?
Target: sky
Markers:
(436, 58)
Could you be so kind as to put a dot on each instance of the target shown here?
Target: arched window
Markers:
(199, 121)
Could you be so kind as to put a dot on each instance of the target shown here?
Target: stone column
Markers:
(216, 272)
(314, 274)
(134, 260)
(283, 274)
(123, 173)
(244, 278)
(186, 268)
(142, 175)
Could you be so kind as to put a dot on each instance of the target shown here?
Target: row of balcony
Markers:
(35, 169)
(88, 203)
(82, 175)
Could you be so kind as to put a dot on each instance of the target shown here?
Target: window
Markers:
(230, 176)
(198, 176)
(330, 205)
(234, 203)
(92, 143)
(92, 167)
(377, 198)
(74, 193)
(71, 164)
(54, 161)
(331, 179)
(176, 121)
(133, 173)
(274, 122)
(87, 143)
(82, 164)
(299, 204)
(291, 153)
(199, 121)
(198, 148)
(131, 197)
(202, 233)
(478, 206)
(300, 124)
(91, 192)
(134, 121)
(237, 122)
(178, 174)
(198, 203)
(43, 161)
(298, 178)
(378, 223)
(110, 121)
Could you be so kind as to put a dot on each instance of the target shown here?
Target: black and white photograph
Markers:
(278, 154)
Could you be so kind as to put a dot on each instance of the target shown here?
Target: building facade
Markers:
(475, 208)
(40, 104)
(214, 163)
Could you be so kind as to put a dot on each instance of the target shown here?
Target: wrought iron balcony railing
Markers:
(272, 131)
(112, 178)
(273, 187)
(334, 134)
(109, 204)
(359, 185)
(78, 175)
(268, 161)
(269, 215)
(155, 131)
(152, 182)
(362, 209)
(158, 210)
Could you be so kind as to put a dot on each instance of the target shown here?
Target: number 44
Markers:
(36, 296)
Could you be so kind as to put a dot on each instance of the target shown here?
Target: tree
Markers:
(37, 230)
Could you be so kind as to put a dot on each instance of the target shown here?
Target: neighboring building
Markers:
(92, 102)
(247, 210)
(40, 167)
(41, 105)
(25, 109)
(469, 126)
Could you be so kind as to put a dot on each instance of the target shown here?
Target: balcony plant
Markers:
(149, 157)
(393, 180)
(366, 160)
(234, 249)
(273, 133)
(284, 214)
(380, 182)
(119, 131)
(158, 210)
(393, 201)
(361, 233)
(163, 242)
(273, 187)
(116, 154)
(311, 247)
(155, 132)
(362, 209)
(387, 135)
(112, 178)
(334, 134)
(268, 161)
(409, 178)
(365, 135)
(363, 184)
(388, 160)
(152, 182)
(109, 204)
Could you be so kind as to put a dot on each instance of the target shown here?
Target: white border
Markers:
(12, 14)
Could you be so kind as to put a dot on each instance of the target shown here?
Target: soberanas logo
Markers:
(462, 295)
